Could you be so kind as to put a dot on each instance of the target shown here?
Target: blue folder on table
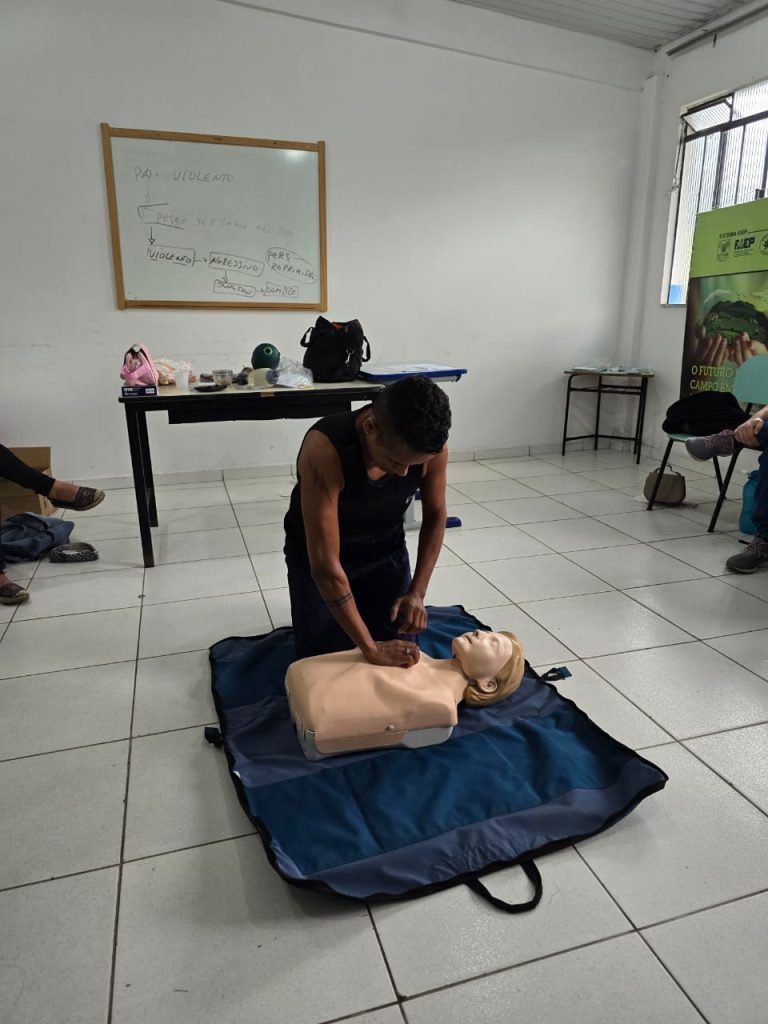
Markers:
(383, 372)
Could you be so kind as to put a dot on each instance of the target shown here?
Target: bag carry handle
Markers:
(529, 867)
(307, 333)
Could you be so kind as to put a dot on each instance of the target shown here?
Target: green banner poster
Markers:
(727, 317)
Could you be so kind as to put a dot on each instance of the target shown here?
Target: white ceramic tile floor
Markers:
(539, 577)
(531, 510)
(205, 929)
(563, 483)
(197, 545)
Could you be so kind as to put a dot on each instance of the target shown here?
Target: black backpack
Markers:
(708, 412)
(335, 351)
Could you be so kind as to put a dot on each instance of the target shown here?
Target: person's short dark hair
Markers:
(415, 412)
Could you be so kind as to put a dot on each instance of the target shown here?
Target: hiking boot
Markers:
(703, 448)
(751, 558)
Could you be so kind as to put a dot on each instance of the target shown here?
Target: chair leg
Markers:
(660, 474)
(723, 490)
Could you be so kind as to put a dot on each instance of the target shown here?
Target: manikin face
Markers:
(481, 655)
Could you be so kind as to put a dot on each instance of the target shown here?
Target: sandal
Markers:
(77, 551)
(85, 499)
(13, 593)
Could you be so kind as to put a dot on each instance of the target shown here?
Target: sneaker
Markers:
(751, 558)
(710, 447)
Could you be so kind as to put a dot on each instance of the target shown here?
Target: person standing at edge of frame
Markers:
(349, 575)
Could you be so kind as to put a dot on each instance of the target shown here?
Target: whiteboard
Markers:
(205, 220)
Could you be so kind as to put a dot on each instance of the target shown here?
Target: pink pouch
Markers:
(138, 367)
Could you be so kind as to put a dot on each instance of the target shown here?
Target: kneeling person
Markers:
(349, 574)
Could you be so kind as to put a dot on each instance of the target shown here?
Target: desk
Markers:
(633, 382)
(235, 403)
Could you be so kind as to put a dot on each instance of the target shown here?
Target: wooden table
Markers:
(633, 382)
(235, 403)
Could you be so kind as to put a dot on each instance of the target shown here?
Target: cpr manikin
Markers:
(340, 702)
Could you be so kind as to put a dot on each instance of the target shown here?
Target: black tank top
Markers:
(370, 511)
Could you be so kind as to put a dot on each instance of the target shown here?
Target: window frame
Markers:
(688, 136)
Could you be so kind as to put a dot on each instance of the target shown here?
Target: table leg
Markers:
(146, 462)
(567, 407)
(597, 411)
(132, 419)
(640, 418)
(723, 490)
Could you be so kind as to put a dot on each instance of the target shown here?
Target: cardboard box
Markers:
(15, 499)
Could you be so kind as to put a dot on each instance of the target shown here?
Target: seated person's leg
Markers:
(18, 472)
(59, 492)
(755, 554)
(703, 448)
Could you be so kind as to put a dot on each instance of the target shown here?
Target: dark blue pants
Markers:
(374, 587)
(760, 514)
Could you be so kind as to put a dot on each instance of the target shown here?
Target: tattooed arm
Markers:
(321, 484)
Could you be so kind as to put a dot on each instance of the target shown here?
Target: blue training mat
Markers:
(522, 777)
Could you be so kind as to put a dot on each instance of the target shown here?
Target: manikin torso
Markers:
(346, 703)
(341, 696)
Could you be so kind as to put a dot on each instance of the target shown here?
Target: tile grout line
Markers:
(383, 952)
(637, 930)
(113, 965)
(668, 971)
(250, 555)
(512, 967)
(104, 743)
(718, 774)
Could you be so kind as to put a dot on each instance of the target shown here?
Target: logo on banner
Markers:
(743, 246)
(723, 249)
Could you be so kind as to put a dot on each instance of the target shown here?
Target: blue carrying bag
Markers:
(517, 779)
(26, 536)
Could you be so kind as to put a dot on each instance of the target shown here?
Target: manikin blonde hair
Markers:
(507, 679)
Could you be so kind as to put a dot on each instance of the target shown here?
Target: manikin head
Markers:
(493, 662)
(407, 424)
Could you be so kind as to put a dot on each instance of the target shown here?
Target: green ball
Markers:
(265, 357)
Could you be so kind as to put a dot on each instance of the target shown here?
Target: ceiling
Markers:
(644, 23)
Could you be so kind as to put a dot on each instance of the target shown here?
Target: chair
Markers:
(750, 387)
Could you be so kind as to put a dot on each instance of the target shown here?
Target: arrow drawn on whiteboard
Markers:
(151, 237)
(148, 196)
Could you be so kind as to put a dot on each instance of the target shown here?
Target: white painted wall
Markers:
(479, 177)
(736, 57)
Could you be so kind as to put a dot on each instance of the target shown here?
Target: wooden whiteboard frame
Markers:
(108, 133)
